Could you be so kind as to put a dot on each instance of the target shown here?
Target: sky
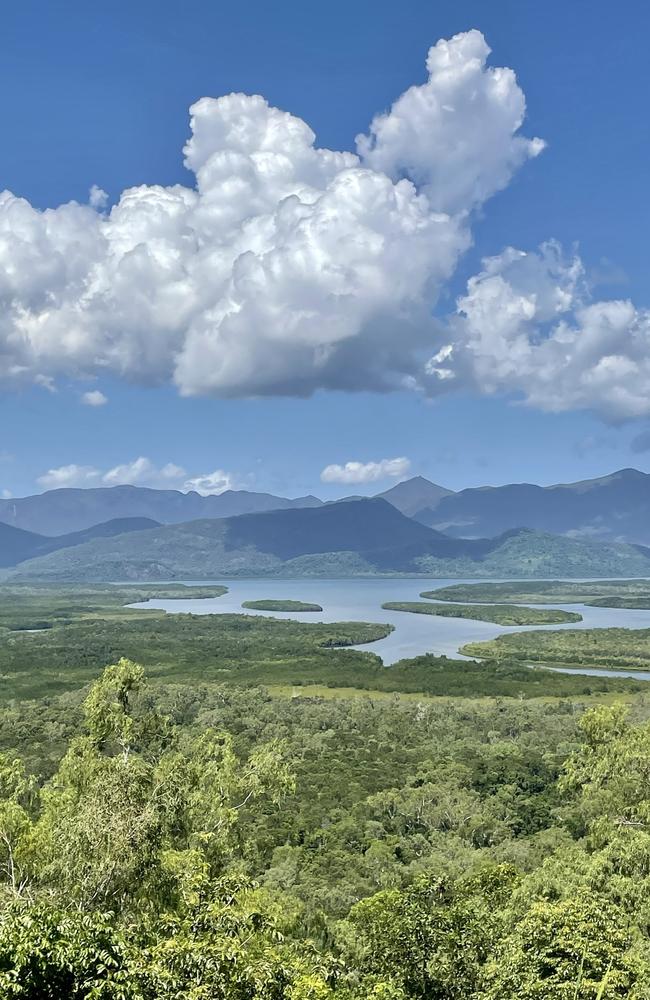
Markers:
(408, 255)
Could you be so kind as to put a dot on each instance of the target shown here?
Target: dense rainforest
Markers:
(168, 840)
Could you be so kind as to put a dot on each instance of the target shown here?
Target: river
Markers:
(361, 600)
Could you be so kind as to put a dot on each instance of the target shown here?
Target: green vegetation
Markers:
(233, 649)
(500, 614)
(366, 537)
(626, 593)
(463, 831)
(281, 606)
(613, 648)
(24, 606)
(533, 554)
(640, 603)
(201, 841)
(240, 648)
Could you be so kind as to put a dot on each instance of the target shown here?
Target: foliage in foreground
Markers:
(141, 868)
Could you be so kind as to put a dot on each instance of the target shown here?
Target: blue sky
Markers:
(94, 96)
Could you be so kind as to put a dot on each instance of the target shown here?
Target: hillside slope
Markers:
(615, 507)
(359, 538)
(251, 544)
(17, 545)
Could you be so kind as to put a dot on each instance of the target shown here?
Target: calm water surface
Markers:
(361, 600)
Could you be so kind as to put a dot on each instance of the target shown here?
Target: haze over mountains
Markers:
(58, 512)
(593, 528)
(357, 538)
(615, 507)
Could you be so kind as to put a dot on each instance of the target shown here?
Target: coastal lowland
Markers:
(55, 639)
(593, 593)
(608, 648)
(500, 614)
(280, 605)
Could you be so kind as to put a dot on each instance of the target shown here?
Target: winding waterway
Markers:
(414, 634)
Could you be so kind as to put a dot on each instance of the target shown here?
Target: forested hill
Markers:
(615, 507)
(355, 526)
(17, 545)
(359, 537)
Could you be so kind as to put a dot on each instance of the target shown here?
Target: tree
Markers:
(431, 938)
(47, 953)
(128, 789)
(18, 801)
(572, 949)
(610, 774)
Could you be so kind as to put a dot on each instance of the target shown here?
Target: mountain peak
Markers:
(412, 495)
(628, 473)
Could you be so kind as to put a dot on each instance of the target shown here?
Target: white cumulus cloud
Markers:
(211, 483)
(456, 136)
(94, 398)
(528, 325)
(366, 472)
(143, 472)
(67, 476)
(140, 472)
(287, 267)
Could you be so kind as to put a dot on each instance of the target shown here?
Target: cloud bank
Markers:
(368, 472)
(528, 326)
(140, 472)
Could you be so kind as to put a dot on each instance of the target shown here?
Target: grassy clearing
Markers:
(319, 691)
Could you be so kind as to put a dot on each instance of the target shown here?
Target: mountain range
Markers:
(365, 537)
(592, 528)
(58, 512)
(612, 508)
(615, 507)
